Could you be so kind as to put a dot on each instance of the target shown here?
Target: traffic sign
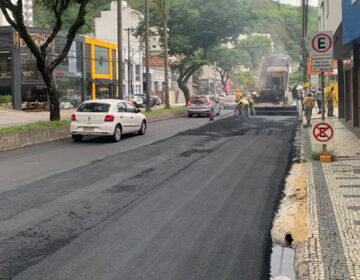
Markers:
(323, 132)
(322, 63)
(322, 43)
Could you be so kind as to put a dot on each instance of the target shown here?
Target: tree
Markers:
(244, 80)
(163, 10)
(14, 15)
(227, 60)
(257, 47)
(197, 26)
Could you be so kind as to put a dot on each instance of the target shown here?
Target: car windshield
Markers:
(94, 108)
(198, 99)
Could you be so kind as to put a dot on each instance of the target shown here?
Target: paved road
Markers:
(195, 205)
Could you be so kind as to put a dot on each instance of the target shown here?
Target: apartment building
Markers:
(28, 14)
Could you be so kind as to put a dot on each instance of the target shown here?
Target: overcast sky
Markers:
(297, 2)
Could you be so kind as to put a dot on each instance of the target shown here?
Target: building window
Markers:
(327, 6)
(5, 65)
(101, 60)
(137, 73)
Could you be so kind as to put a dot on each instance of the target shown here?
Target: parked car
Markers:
(155, 100)
(137, 101)
(203, 105)
(230, 103)
(106, 117)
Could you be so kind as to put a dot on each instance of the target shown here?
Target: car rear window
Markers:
(198, 99)
(94, 108)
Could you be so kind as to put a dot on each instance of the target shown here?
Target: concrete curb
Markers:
(10, 141)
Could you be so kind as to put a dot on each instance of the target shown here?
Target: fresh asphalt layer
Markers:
(191, 200)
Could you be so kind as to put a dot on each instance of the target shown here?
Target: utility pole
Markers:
(215, 80)
(129, 31)
(148, 85)
(305, 9)
(120, 47)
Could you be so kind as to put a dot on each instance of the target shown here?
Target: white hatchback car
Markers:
(106, 117)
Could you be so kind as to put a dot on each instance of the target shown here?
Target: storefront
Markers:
(101, 69)
(20, 78)
(347, 52)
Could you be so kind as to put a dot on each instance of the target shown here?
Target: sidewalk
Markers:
(10, 117)
(333, 208)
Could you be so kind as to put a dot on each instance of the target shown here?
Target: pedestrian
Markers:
(244, 103)
(294, 93)
(318, 98)
(309, 103)
(251, 105)
(330, 98)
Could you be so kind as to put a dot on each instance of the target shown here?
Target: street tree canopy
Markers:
(227, 60)
(13, 13)
(256, 46)
(196, 27)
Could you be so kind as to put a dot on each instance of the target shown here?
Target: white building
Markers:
(28, 13)
(106, 30)
(330, 15)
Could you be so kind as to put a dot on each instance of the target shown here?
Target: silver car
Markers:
(203, 105)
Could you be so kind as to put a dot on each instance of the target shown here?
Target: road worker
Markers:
(251, 105)
(330, 98)
(244, 104)
(309, 103)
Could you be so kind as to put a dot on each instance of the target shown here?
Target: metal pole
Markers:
(215, 76)
(129, 64)
(120, 46)
(167, 103)
(148, 85)
(323, 96)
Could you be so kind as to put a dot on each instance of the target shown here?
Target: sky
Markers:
(297, 2)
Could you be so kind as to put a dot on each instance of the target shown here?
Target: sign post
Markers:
(323, 132)
(322, 58)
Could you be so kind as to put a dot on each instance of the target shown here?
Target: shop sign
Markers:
(38, 39)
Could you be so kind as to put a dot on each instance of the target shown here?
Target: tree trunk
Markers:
(52, 92)
(147, 54)
(184, 89)
(224, 86)
(167, 101)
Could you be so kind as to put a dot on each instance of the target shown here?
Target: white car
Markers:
(106, 117)
(137, 101)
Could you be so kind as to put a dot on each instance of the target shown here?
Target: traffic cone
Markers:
(212, 115)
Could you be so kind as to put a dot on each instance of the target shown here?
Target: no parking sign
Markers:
(323, 132)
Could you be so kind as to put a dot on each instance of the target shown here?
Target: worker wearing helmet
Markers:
(238, 95)
(244, 104)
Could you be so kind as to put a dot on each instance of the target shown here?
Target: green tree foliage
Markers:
(284, 24)
(256, 47)
(243, 80)
(227, 60)
(45, 17)
(14, 16)
(196, 27)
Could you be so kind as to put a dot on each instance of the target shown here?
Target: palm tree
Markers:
(163, 10)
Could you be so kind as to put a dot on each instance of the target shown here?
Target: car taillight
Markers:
(189, 102)
(208, 101)
(109, 118)
(73, 117)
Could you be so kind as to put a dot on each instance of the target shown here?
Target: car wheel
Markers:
(190, 115)
(117, 134)
(143, 128)
(77, 138)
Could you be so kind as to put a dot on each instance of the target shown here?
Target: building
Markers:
(342, 18)
(330, 16)
(88, 72)
(28, 14)
(106, 30)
